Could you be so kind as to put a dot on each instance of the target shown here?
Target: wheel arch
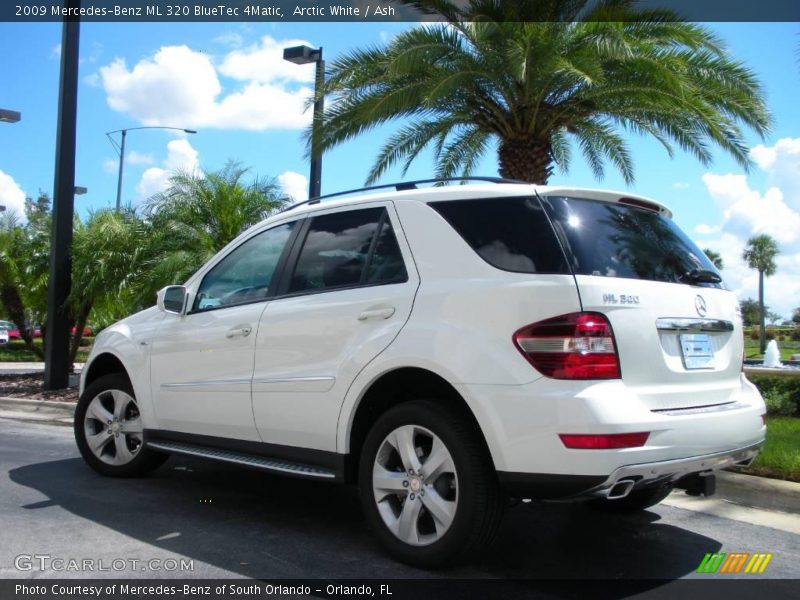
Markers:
(395, 387)
(103, 364)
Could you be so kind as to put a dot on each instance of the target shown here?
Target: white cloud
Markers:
(55, 52)
(704, 229)
(92, 80)
(747, 211)
(181, 87)
(181, 156)
(11, 195)
(263, 62)
(231, 39)
(111, 165)
(680, 185)
(294, 185)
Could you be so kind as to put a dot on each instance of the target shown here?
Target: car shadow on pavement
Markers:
(258, 525)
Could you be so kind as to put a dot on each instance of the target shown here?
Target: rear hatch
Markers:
(677, 329)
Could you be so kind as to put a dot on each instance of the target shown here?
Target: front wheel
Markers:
(109, 429)
(427, 485)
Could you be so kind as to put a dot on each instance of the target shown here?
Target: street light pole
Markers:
(120, 148)
(121, 163)
(303, 55)
(56, 359)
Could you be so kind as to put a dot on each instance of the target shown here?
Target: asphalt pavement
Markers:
(228, 522)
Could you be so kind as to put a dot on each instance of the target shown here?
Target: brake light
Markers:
(572, 346)
(604, 442)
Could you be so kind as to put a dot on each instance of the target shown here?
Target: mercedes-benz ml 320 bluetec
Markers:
(444, 348)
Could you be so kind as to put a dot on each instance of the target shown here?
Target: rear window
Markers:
(615, 240)
(512, 234)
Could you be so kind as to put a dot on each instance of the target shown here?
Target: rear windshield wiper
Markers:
(700, 276)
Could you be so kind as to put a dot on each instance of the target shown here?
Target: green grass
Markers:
(780, 457)
(17, 352)
(786, 348)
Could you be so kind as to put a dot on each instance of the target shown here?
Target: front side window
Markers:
(341, 250)
(244, 275)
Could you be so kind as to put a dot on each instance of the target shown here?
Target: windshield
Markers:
(616, 240)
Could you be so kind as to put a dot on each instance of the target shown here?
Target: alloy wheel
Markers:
(113, 427)
(415, 485)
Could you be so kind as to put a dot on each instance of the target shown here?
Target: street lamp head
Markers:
(9, 116)
(80, 190)
(302, 55)
(189, 131)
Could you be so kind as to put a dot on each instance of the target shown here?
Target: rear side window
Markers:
(512, 234)
(615, 240)
(347, 249)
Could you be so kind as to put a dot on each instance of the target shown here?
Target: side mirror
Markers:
(172, 299)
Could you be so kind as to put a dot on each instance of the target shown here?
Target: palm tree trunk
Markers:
(762, 335)
(10, 298)
(525, 159)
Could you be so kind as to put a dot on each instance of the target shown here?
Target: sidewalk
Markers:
(25, 368)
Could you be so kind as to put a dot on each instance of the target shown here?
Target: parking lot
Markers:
(205, 520)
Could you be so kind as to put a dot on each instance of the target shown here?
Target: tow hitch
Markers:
(698, 484)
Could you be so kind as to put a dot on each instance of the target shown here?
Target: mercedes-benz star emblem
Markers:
(700, 305)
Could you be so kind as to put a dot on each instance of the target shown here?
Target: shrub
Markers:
(754, 333)
(784, 391)
(796, 335)
(779, 404)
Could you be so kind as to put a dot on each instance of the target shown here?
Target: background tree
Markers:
(715, 258)
(534, 80)
(796, 316)
(760, 254)
(751, 312)
(196, 217)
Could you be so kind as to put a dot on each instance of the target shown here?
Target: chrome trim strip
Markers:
(672, 470)
(694, 325)
(292, 380)
(693, 410)
(260, 462)
(207, 383)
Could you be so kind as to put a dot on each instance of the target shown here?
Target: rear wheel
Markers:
(109, 429)
(635, 501)
(427, 485)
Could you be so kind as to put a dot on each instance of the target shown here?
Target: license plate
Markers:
(696, 351)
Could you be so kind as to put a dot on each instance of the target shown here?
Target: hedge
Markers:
(782, 394)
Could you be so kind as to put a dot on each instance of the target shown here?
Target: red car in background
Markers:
(13, 332)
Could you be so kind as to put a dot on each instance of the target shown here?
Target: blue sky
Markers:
(227, 81)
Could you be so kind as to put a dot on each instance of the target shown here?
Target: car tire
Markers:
(635, 501)
(109, 431)
(457, 504)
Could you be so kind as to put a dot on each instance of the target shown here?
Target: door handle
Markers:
(238, 332)
(376, 313)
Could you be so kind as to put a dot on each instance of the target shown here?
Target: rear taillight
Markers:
(573, 346)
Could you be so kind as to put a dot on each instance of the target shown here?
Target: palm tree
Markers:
(197, 216)
(536, 79)
(760, 254)
(715, 258)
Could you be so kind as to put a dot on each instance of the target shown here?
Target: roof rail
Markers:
(401, 187)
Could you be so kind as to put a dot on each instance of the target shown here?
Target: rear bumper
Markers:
(521, 424)
(576, 487)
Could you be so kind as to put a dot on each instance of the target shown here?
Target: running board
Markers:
(249, 460)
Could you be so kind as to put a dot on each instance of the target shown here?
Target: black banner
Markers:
(347, 10)
(732, 588)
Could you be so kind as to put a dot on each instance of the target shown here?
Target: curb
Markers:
(759, 492)
(39, 411)
(747, 490)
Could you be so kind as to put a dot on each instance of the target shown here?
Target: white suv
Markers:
(445, 348)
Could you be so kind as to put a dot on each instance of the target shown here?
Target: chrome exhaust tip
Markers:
(620, 489)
